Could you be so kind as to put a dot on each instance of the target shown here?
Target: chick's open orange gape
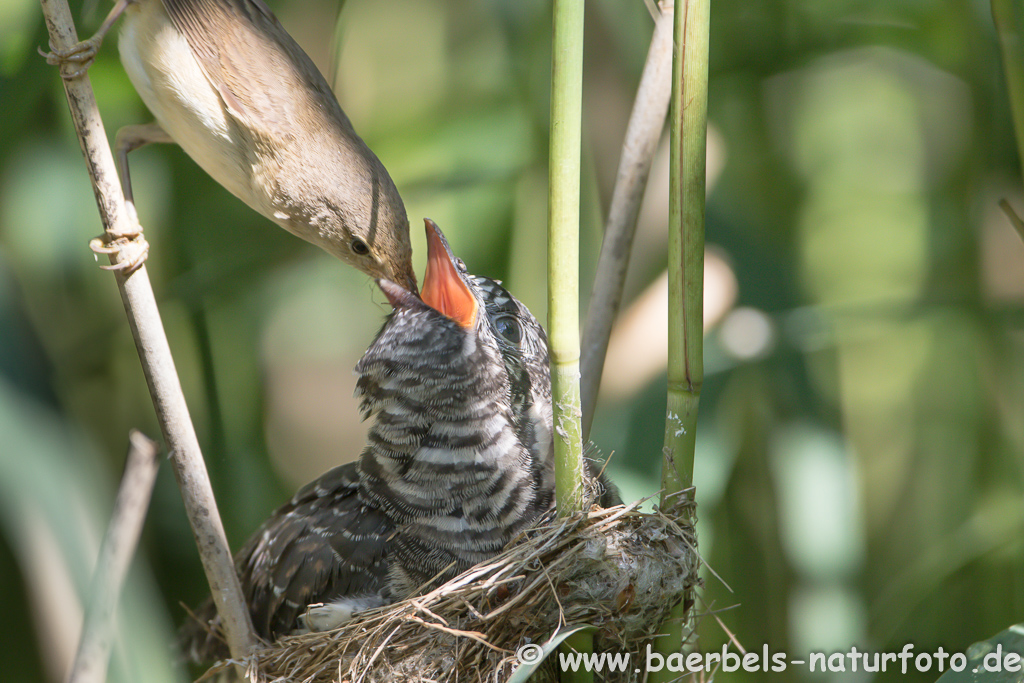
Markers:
(443, 288)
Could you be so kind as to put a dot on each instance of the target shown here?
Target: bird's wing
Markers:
(251, 60)
(321, 545)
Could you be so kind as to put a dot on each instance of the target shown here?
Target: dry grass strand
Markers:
(617, 569)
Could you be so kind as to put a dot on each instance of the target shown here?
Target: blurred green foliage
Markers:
(860, 471)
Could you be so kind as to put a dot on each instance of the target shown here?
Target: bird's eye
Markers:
(359, 247)
(508, 327)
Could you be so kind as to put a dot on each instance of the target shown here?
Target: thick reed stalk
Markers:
(564, 270)
(688, 121)
(689, 114)
(563, 249)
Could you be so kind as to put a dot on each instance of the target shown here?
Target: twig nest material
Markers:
(616, 569)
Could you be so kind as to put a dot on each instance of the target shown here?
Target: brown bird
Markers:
(458, 461)
(227, 83)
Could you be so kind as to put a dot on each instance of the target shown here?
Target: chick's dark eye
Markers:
(508, 327)
(359, 247)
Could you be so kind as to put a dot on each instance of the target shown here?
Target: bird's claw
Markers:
(317, 617)
(321, 616)
(81, 54)
(131, 250)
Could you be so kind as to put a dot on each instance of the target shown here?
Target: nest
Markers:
(616, 569)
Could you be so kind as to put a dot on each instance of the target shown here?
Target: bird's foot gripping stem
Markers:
(131, 247)
(80, 54)
(83, 53)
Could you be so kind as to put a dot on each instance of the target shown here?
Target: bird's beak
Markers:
(443, 287)
(408, 279)
(398, 296)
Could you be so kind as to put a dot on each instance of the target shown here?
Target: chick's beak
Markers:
(443, 287)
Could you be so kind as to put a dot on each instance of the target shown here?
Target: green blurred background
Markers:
(860, 463)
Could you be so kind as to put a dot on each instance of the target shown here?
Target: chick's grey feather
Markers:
(458, 461)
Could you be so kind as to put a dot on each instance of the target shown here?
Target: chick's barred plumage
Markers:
(447, 461)
(459, 461)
